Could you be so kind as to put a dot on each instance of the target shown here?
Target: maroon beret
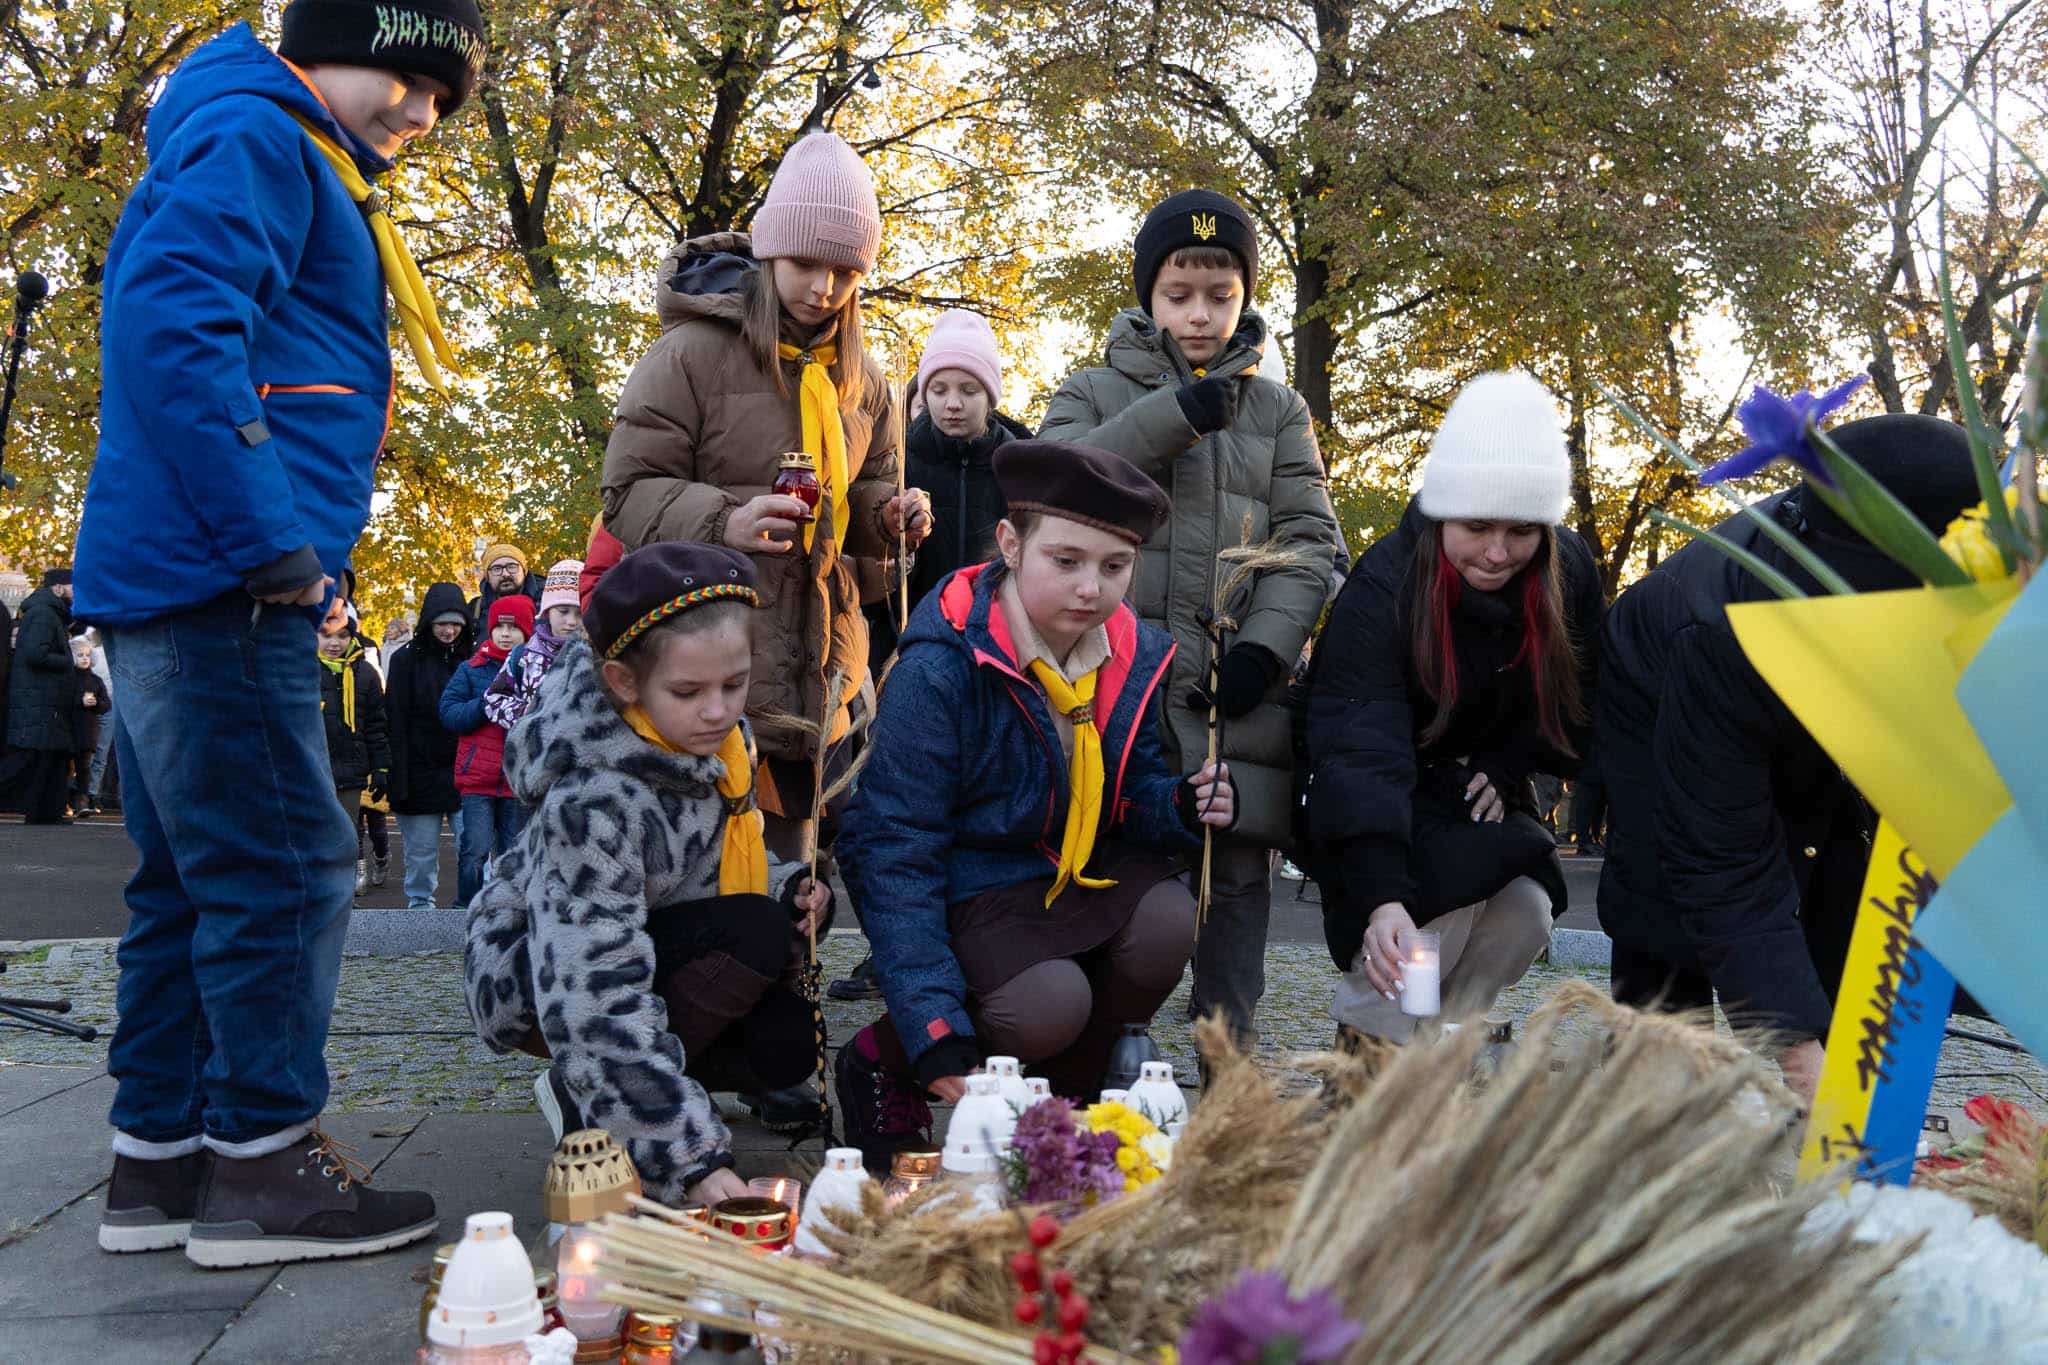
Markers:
(658, 581)
(1081, 483)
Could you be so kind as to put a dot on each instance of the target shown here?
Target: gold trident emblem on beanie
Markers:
(1205, 226)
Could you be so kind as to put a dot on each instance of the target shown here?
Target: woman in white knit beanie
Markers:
(1459, 661)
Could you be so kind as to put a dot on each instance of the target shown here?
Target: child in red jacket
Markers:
(491, 816)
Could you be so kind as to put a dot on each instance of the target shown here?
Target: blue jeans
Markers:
(99, 755)
(421, 835)
(240, 900)
(490, 825)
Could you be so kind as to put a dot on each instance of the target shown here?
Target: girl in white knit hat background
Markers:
(1459, 660)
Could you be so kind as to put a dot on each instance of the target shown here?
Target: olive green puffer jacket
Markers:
(1263, 464)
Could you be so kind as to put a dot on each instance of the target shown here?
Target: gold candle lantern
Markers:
(588, 1177)
(761, 1224)
(434, 1274)
(910, 1171)
(650, 1338)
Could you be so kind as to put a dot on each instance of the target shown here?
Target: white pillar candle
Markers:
(1421, 974)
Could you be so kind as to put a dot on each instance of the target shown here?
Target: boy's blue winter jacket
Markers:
(245, 353)
(966, 790)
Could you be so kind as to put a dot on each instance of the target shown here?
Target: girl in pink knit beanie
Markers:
(760, 371)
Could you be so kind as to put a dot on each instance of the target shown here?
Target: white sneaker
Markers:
(362, 877)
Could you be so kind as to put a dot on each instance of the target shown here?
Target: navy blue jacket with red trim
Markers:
(967, 788)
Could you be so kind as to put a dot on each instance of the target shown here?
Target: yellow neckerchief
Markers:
(1076, 701)
(824, 433)
(743, 858)
(408, 291)
(345, 666)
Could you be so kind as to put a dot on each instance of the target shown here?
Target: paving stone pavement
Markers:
(401, 1037)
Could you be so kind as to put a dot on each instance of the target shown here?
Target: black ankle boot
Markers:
(149, 1203)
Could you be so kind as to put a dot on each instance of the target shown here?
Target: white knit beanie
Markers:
(821, 207)
(1499, 455)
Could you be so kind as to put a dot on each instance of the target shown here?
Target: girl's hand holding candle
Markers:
(1381, 958)
(721, 1184)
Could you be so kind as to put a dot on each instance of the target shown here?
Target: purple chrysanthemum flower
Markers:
(1777, 429)
(1059, 1162)
(1256, 1322)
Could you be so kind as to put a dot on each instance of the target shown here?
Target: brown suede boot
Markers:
(307, 1202)
(149, 1203)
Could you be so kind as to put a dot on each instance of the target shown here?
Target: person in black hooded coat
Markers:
(1459, 659)
(422, 750)
(954, 431)
(1736, 847)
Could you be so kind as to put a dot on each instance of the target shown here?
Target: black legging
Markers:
(725, 961)
(371, 822)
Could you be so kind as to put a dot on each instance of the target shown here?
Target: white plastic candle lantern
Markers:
(1157, 1096)
(1421, 974)
(838, 1186)
(1040, 1088)
(1009, 1074)
(486, 1301)
(578, 1286)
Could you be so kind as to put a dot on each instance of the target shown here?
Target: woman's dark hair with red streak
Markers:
(1434, 588)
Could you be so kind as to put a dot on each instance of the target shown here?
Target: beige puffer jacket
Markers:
(700, 429)
(1264, 462)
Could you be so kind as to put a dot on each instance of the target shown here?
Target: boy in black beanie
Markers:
(247, 378)
(1181, 398)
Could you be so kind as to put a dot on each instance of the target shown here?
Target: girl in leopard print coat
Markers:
(610, 938)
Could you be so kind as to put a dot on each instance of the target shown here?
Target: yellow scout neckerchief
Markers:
(824, 433)
(743, 858)
(408, 291)
(345, 666)
(1076, 701)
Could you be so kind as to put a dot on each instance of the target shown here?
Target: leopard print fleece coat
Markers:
(558, 934)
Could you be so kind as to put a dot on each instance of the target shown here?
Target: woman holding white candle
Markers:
(1459, 659)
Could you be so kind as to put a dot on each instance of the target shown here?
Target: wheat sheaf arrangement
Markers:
(1604, 1196)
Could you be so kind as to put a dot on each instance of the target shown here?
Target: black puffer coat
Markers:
(966, 505)
(422, 750)
(1382, 817)
(41, 692)
(1736, 847)
(361, 753)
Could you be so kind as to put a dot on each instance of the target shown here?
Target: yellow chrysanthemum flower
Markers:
(1968, 542)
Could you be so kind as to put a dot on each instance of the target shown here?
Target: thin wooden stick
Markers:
(657, 1265)
(897, 426)
(813, 974)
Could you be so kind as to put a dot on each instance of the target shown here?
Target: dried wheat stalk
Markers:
(1610, 1206)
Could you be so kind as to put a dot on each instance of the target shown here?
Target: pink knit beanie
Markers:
(821, 207)
(961, 340)
(560, 588)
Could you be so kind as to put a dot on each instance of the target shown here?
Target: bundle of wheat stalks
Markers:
(1604, 1201)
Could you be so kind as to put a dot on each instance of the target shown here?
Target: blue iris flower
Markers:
(1777, 429)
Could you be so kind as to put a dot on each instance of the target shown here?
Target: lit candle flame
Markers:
(780, 1186)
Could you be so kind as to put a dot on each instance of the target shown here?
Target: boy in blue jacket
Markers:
(1016, 843)
(247, 378)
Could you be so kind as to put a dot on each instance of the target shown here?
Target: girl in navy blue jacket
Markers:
(1016, 846)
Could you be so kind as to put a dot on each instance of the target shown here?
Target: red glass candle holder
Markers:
(798, 478)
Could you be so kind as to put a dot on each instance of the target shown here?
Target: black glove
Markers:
(1205, 403)
(380, 785)
(1242, 677)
